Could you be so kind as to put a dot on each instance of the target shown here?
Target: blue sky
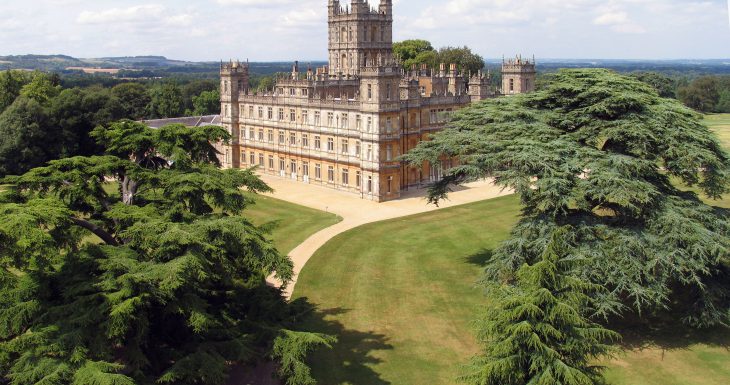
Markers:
(264, 30)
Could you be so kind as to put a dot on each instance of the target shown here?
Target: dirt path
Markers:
(357, 212)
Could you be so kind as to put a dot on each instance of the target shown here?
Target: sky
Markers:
(287, 30)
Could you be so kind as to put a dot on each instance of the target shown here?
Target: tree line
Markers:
(41, 120)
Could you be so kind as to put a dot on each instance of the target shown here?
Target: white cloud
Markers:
(115, 15)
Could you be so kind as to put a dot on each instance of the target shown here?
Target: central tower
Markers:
(359, 36)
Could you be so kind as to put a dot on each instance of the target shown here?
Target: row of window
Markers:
(340, 120)
(305, 172)
(369, 33)
(305, 143)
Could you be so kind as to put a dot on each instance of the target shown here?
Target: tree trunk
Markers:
(98, 231)
(129, 189)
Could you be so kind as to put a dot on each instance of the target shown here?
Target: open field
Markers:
(402, 306)
(294, 223)
(720, 123)
(401, 294)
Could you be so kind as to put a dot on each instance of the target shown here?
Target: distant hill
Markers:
(160, 66)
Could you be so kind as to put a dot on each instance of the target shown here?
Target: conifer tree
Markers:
(160, 282)
(537, 332)
(604, 153)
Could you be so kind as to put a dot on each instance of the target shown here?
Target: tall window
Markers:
(357, 149)
(292, 115)
(317, 118)
(282, 164)
(270, 113)
(281, 114)
(318, 171)
(330, 119)
(331, 174)
(390, 184)
(345, 146)
(330, 145)
(281, 137)
(293, 139)
(389, 153)
(387, 92)
(358, 122)
(305, 168)
(271, 162)
(251, 134)
(344, 121)
(305, 117)
(345, 177)
(370, 152)
(389, 125)
(292, 91)
(253, 159)
(512, 85)
(370, 184)
(358, 179)
(261, 160)
(370, 92)
(250, 112)
(261, 112)
(317, 143)
(271, 136)
(370, 124)
(305, 140)
(261, 135)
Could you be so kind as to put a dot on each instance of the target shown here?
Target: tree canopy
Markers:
(538, 332)
(160, 280)
(417, 52)
(600, 152)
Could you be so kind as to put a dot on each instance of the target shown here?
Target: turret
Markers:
(386, 8)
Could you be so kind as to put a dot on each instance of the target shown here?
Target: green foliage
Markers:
(207, 103)
(417, 52)
(663, 84)
(537, 331)
(175, 292)
(596, 150)
(42, 88)
(133, 99)
(11, 82)
(166, 101)
(27, 138)
(291, 349)
(703, 94)
(408, 51)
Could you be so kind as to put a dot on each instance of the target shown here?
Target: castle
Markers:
(344, 125)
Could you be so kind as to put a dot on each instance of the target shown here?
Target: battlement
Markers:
(360, 8)
(518, 65)
(234, 67)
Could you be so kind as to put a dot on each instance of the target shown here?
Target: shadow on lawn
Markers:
(350, 360)
(481, 258)
(667, 335)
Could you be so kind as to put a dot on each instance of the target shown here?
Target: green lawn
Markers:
(294, 223)
(400, 295)
(720, 123)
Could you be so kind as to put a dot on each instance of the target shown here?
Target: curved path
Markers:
(357, 212)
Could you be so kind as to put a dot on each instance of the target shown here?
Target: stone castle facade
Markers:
(344, 126)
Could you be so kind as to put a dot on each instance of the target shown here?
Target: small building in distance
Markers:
(518, 76)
